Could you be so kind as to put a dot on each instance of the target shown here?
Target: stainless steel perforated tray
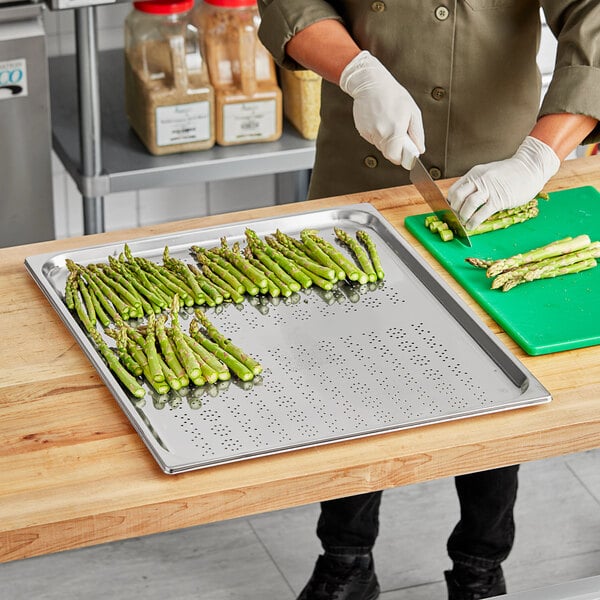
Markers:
(361, 361)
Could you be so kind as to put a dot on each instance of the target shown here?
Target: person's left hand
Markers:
(491, 187)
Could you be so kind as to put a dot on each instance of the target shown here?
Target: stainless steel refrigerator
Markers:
(26, 206)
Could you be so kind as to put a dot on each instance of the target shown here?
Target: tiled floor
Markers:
(269, 557)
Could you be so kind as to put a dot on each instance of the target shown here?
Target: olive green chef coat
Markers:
(470, 65)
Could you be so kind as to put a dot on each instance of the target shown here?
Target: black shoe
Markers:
(335, 580)
(474, 585)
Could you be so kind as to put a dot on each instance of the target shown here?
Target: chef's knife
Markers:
(432, 194)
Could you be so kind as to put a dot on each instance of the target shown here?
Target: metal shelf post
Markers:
(90, 133)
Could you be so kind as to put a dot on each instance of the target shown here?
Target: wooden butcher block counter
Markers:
(74, 472)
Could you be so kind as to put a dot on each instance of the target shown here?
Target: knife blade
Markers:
(432, 194)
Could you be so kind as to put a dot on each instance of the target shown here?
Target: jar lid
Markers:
(231, 3)
(164, 7)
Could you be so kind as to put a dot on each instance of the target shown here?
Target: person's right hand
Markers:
(385, 114)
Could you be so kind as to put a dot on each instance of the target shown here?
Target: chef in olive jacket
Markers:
(456, 82)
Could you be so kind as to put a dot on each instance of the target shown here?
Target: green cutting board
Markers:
(543, 316)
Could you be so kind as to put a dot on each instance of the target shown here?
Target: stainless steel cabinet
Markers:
(26, 209)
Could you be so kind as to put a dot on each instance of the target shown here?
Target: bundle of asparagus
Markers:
(132, 287)
(499, 220)
(280, 264)
(561, 257)
(168, 358)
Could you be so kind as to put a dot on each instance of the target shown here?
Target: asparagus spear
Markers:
(125, 310)
(138, 354)
(552, 249)
(100, 312)
(227, 290)
(69, 286)
(287, 265)
(81, 311)
(151, 352)
(169, 375)
(302, 261)
(166, 281)
(209, 373)
(181, 269)
(276, 286)
(535, 270)
(504, 222)
(186, 356)
(369, 244)
(507, 212)
(359, 252)
(260, 251)
(480, 263)
(227, 274)
(126, 378)
(87, 300)
(120, 290)
(139, 279)
(249, 286)
(144, 288)
(317, 254)
(323, 273)
(577, 267)
(168, 352)
(241, 370)
(208, 357)
(591, 251)
(212, 294)
(114, 273)
(227, 345)
(352, 272)
(126, 358)
(242, 265)
(325, 284)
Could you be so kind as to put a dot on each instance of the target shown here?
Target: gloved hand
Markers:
(384, 112)
(491, 187)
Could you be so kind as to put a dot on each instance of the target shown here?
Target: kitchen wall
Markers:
(145, 207)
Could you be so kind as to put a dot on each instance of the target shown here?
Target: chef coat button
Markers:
(378, 6)
(370, 162)
(435, 173)
(438, 93)
(442, 13)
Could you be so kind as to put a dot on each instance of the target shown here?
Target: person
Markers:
(455, 82)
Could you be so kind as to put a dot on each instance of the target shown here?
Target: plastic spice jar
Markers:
(248, 104)
(168, 96)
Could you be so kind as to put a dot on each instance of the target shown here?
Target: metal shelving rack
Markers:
(92, 138)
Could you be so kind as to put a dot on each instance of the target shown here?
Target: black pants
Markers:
(482, 538)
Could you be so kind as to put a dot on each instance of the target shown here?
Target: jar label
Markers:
(183, 123)
(247, 121)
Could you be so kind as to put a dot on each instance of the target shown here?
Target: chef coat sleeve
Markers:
(575, 85)
(281, 20)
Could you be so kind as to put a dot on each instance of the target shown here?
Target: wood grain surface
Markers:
(73, 472)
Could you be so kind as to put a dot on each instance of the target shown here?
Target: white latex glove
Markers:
(384, 112)
(491, 187)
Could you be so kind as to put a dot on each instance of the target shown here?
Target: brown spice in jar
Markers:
(156, 76)
(248, 101)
